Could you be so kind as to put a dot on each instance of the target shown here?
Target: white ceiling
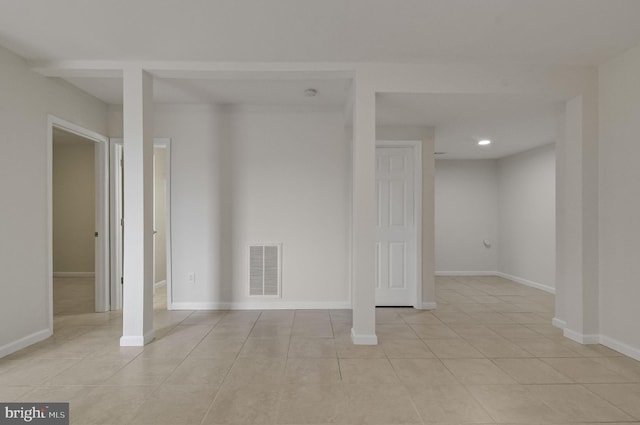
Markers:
(582, 32)
(331, 92)
(514, 123)
(541, 32)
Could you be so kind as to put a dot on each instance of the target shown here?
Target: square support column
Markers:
(364, 215)
(137, 329)
(577, 290)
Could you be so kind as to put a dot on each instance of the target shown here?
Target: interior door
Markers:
(396, 227)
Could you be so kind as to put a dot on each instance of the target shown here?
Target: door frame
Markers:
(117, 149)
(102, 253)
(416, 146)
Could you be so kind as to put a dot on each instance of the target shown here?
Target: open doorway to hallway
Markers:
(74, 223)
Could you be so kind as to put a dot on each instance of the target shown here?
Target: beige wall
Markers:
(160, 205)
(73, 207)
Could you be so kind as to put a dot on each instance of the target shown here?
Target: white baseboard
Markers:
(466, 273)
(591, 339)
(618, 346)
(363, 339)
(581, 338)
(74, 274)
(541, 286)
(516, 279)
(561, 324)
(160, 284)
(24, 342)
(136, 340)
(263, 305)
(429, 306)
(615, 345)
(131, 341)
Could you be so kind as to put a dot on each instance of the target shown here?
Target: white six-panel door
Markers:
(396, 227)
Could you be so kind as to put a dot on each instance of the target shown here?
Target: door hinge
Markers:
(95, 234)
(121, 280)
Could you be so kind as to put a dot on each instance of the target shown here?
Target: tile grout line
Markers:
(229, 370)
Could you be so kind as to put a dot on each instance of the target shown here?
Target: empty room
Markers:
(319, 212)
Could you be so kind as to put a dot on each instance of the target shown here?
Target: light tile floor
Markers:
(487, 355)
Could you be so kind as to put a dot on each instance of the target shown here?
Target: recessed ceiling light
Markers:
(310, 92)
(484, 142)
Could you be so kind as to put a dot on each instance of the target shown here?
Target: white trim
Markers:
(160, 284)
(257, 305)
(74, 274)
(590, 339)
(102, 269)
(49, 270)
(620, 347)
(416, 145)
(614, 344)
(428, 306)
(131, 341)
(532, 284)
(102, 211)
(137, 341)
(363, 339)
(197, 69)
(115, 149)
(23, 342)
(466, 273)
(581, 338)
(574, 336)
(515, 279)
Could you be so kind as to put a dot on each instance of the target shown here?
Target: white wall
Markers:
(619, 183)
(25, 103)
(527, 216)
(251, 175)
(466, 213)
(511, 203)
(73, 207)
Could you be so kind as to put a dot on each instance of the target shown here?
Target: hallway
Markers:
(73, 295)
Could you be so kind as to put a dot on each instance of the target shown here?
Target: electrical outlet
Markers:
(191, 277)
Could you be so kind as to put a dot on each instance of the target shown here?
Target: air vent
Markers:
(264, 270)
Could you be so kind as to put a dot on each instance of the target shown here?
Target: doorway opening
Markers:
(73, 223)
(161, 223)
(77, 219)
